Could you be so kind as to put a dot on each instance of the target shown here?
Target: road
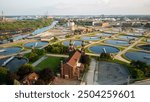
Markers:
(57, 55)
(90, 75)
(39, 61)
(143, 82)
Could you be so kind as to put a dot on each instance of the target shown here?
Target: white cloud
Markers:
(76, 6)
(106, 1)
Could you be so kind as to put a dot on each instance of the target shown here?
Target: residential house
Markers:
(30, 79)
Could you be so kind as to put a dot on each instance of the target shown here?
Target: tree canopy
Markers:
(46, 75)
(140, 69)
(105, 56)
(57, 49)
(23, 24)
(11, 77)
(3, 73)
(24, 70)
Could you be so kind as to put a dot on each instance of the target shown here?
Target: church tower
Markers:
(71, 47)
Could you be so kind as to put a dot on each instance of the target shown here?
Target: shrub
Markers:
(24, 70)
(3, 73)
(105, 56)
(137, 74)
(57, 49)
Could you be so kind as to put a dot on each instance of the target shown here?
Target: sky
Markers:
(75, 7)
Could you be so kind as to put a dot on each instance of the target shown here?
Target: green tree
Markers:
(3, 73)
(57, 48)
(105, 56)
(46, 75)
(147, 71)
(33, 57)
(22, 26)
(138, 64)
(138, 74)
(85, 59)
(39, 52)
(10, 77)
(142, 66)
(24, 70)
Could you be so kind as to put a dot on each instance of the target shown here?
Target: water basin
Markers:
(90, 38)
(145, 47)
(36, 44)
(100, 49)
(75, 43)
(14, 64)
(117, 42)
(10, 50)
(125, 37)
(135, 34)
(141, 56)
(104, 35)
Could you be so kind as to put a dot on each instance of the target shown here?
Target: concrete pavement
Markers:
(58, 55)
(39, 61)
(90, 75)
(143, 82)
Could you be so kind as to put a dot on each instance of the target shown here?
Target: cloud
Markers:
(76, 6)
(106, 1)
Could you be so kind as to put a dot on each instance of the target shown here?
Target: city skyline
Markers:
(78, 7)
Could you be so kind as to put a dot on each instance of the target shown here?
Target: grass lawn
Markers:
(51, 62)
(31, 62)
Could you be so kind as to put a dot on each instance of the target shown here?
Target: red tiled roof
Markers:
(73, 60)
(30, 78)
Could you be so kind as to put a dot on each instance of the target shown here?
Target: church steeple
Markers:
(71, 47)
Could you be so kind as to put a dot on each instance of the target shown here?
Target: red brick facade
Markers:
(72, 68)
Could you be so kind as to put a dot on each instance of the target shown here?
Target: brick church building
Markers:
(72, 68)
